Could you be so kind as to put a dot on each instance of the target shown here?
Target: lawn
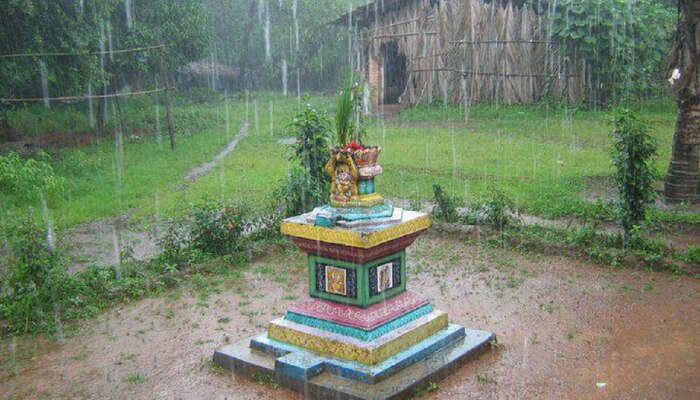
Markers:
(540, 156)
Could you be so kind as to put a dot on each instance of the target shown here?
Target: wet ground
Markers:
(566, 329)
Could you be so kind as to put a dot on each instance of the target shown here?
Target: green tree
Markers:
(633, 155)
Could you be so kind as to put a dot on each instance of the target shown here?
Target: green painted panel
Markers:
(357, 278)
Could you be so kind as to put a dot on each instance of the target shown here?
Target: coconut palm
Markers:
(683, 178)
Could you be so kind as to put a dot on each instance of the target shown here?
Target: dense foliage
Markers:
(633, 155)
(622, 44)
(25, 178)
(264, 38)
(47, 26)
(307, 184)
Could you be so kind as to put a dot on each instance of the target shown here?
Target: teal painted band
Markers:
(358, 333)
(366, 186)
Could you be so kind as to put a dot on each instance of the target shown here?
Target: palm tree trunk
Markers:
(683, 177)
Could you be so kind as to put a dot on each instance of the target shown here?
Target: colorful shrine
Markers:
(360, 334)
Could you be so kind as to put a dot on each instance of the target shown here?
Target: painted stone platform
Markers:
(362, 318)
(359, 334)
(318, 377)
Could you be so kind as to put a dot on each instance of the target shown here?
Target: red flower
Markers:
(353, 146)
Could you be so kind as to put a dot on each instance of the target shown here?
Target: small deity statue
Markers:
(343, 173)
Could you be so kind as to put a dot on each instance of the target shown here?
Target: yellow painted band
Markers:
(352, 238)
(364, 353)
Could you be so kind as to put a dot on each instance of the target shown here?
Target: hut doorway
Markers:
(395, 76)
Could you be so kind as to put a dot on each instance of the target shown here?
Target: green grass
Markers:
(152, 176)
(539, 156)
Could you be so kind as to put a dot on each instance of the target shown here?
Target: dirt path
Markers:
(208, 166)
(567, 330)
(100, 242)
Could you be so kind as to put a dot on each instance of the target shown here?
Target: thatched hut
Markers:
(458, 51)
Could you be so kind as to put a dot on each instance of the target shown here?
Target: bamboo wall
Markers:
(462, 51)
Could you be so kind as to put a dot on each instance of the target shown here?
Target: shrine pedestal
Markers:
(359, 334)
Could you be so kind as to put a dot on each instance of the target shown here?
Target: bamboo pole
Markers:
(168, 111)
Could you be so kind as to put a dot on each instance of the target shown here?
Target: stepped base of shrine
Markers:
(318, 376)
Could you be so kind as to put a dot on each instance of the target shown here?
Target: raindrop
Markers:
(116, 253)
(159, 132)
(272, 126)
(298, 88)
(257, 119)
(127, 8)
(91, 115)
(109, 42)
(268, 50)
(227, 116)
(44, 83)
(296, 24)
(285, 84)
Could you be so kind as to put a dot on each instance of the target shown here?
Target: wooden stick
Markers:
(97, 96)
(160, 46)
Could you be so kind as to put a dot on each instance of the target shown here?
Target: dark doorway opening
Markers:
(395, 75)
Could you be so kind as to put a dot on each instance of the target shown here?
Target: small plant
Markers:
(445, 208)
(349, 114)
(25, 178)
(483, 378)
(264, 378)
(306, 186)
(633, 154)
(432, 387)
(301, 193)
(137, 378)
(215, 228)
(176, 251)
(343, 112)
(311, 129)
(35, 274)
(497, 211)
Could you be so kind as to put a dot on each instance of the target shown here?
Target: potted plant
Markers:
(352, 165)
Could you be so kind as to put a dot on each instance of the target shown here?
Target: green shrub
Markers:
(498, 210)
(633, 154)
(216, 228)
(445, 205)
(311, 129)
(176, 251)
(34, 277)
(26, 177)
(300, 193)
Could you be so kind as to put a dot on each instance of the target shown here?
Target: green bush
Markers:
(33, 277)
(301, 193)
(176, 251)
(498, 210)
(633, 154)
(307, 185)
(215, 228)
(27, 177)
(311, 129)
(445, 205)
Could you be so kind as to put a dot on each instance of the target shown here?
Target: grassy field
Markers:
(539, 156)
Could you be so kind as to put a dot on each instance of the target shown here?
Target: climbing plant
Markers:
(621, 44)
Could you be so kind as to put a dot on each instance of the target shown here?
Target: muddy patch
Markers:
(566, 329)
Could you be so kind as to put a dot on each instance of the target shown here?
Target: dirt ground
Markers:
(566, 330)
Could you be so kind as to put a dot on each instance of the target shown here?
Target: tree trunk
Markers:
(683, 178)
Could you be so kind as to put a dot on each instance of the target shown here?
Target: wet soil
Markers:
(566, 329)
